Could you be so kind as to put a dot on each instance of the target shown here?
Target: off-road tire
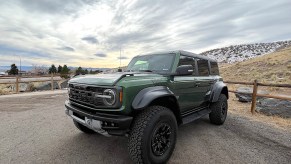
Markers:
(219, 110)
(83, 128)
(144, 132)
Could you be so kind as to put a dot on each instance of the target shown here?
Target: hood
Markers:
(100, 79)
(111, 79)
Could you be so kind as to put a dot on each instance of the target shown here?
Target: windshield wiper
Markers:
(143, 70)
(146, 70)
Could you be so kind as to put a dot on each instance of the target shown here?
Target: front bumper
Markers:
(100, 122)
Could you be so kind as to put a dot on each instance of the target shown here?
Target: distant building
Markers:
(23, 73)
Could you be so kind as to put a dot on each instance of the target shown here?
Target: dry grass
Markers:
(271, 68)
(244, 109)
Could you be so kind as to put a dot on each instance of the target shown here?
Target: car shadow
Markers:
(84, 148)
(96, 148)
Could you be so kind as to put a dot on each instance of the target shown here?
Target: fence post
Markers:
(52, 81)
(17, 84)
(254, 96)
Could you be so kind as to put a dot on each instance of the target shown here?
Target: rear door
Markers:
(203, 81)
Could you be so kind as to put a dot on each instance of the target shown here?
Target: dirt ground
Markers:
(35, 129)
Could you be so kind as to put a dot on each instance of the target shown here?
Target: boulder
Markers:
(64, 84)
(46, 86)
(247, 97)
(269, 106)
(23, 87)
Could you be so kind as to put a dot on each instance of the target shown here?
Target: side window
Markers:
(214, 68)
(186, 60)
(202, 67)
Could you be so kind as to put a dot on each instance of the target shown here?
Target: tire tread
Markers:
(139, 125)
(215, 116)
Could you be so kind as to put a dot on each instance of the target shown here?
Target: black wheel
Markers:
(153, 136)
(83, 128)
(219, 110)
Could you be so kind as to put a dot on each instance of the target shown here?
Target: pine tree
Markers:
(65, 72)
(53, 69)
(60, 68)
(13, 70)
(79, 71)
(85, 71)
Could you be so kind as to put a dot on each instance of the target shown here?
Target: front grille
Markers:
(86, 95)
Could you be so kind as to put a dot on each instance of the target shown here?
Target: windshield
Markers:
(158, 63)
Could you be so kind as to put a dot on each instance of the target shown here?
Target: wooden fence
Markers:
(255, 94)
(18, 80)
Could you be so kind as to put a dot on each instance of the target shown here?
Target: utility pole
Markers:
(20, 65)
(120, 59)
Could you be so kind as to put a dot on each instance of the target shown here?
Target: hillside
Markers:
(272, 68)
(237, 53)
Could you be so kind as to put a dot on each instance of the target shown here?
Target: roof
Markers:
(186, 53)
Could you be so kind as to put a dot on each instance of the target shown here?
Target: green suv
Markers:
(148, 101)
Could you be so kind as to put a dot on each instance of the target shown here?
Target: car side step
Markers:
(196, 115)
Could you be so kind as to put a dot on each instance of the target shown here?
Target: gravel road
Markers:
(35, 129)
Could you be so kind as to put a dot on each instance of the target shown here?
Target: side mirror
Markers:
(184, 70)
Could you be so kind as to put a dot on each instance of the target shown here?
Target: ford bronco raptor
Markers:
(148, 101)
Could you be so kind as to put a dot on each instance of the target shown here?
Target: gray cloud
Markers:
(101, 55)
(54, 6)
(90, 39)
(198, 25)
(66, 48)
(140, 26)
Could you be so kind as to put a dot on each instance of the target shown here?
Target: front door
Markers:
(189, 90)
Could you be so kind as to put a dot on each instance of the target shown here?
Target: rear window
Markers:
(203, 67)
(214, 68)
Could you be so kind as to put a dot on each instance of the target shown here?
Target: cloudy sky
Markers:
(91, 33)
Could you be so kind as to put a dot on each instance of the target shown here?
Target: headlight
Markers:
(109, 97)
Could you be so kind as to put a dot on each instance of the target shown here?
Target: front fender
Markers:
(218, 88)
(147, 95)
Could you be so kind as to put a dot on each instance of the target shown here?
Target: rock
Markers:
(46, 86)
(269, 106)
(23, 87)
(64, 84)
(247, 97)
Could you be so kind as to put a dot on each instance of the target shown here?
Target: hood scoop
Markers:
(101, 79)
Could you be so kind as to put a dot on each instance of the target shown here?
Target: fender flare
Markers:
(147, 95)
(217, 89)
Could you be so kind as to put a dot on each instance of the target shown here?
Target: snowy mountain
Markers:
(243, 52)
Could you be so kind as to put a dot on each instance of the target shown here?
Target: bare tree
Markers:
(39, 69)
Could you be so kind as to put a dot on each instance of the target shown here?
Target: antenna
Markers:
(120, 59)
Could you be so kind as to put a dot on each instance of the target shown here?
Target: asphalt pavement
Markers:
(35, 129)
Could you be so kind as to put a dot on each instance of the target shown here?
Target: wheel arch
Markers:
(158, 95)
(219, 88)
